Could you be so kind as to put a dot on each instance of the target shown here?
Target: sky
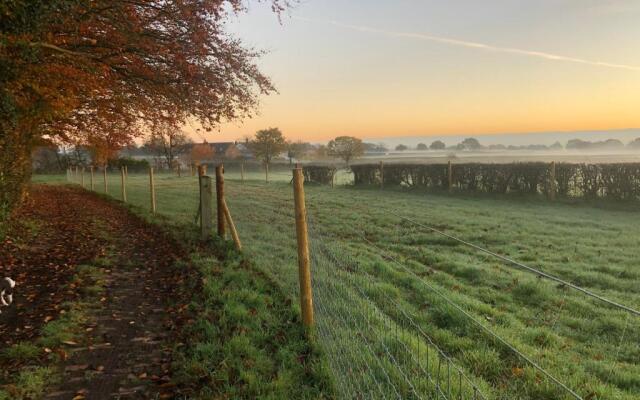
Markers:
(379, 69)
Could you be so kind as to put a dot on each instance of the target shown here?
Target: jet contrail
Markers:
(474, 45)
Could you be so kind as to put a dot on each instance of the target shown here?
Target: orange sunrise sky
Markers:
(383, 69)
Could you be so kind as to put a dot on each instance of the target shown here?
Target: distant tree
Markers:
(320, 151)
(201, 152)
(375, 147)
(438, 145)
(103, 149)
(401, 147)
(267, 144)
(296, 150)
(346, 148)
(168, 142)
(578, 144)
(422, 146)
(556, 146)
(635, 144)
(611, 144)
(46, 159)
(471, 144)
(497, 147)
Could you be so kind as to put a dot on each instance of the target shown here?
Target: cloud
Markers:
(474, 45)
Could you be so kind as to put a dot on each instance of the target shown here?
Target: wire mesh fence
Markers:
(396, 319)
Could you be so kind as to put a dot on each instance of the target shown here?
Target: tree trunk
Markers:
(15, 168)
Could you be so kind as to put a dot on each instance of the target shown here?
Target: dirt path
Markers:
(126, 350)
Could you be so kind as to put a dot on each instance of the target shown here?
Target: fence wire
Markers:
(394, 357)
(380, 346)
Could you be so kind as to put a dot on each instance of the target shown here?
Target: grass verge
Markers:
(245, 340)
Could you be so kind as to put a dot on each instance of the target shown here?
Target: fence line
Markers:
(476, 321)
(340, 264)
(384, 384)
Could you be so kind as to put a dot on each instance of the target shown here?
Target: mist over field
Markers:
(515, 139)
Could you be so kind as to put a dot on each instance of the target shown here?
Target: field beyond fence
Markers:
(426, 297)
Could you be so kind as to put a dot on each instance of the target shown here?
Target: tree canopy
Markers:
(99, 72)
(267, 144)
(346, 148)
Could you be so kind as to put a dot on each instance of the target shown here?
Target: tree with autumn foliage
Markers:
(267, 144)
(346, 148)
(201, 153)
(101, 72)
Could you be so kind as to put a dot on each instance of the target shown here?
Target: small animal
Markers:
(6, 292)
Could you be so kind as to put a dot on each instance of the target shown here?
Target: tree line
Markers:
(473, 144)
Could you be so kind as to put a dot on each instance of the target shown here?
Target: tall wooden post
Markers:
(381, 175)
(123, 188)
(126, 171)
(92, 185)
(304, 262)
(242, 172)
(266, 172)
(104, 175)
(552, 177)
(450, 176)
(152, 190)
(220, 199)
(202, 169)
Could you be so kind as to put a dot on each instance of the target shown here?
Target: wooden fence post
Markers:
(266, 172)
(206, 213)
(152, 190)
(304, 262)
(232, 226)
(553, 188)
(92, 185)
(104, 175)
(220, 199)
(202, 169)
(450, 174)
(242, 172)
(123, 176)
(126, 171)
(381, 175)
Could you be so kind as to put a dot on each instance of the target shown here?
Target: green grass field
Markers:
(387, 292)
